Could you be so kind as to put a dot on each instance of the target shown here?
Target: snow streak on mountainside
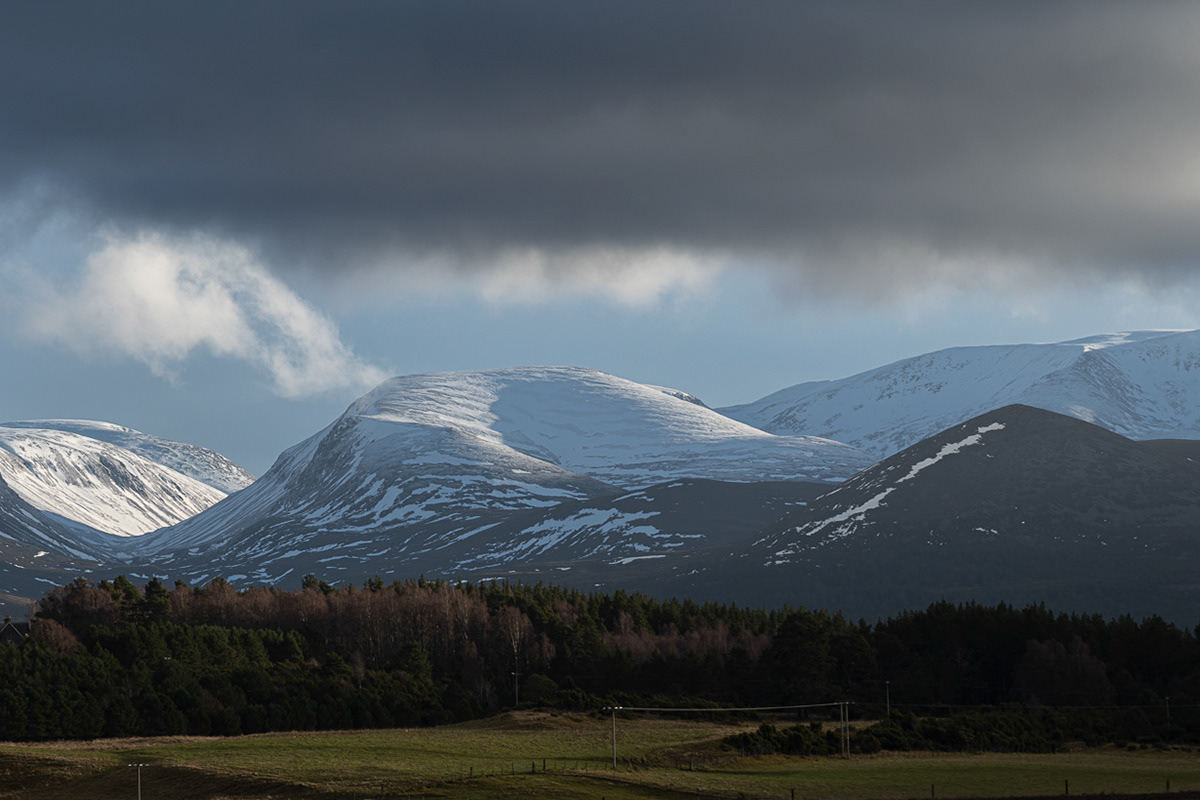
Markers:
(428, 463)
(83, 481)
(199, 463)
(1143, 385)
(877, 483)
(361, 475)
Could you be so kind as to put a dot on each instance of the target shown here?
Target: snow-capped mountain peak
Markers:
(1139, 384)
(427, 462)
(84, 480)
(608, 428)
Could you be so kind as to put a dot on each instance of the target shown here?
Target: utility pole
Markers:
(845, 708)
(614, 736)
(139, 778)
(887, 687)
(614, 710)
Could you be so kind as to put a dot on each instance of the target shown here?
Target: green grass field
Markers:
(555, 756)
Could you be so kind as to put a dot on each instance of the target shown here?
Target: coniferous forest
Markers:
(116, 659)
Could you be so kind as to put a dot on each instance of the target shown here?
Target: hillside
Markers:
(1016, 505)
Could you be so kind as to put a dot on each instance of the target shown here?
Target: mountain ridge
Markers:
(199, 463)
(1139, 384)
(574, 475)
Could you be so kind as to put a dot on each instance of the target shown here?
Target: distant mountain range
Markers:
(575, 476)
(1143, 385)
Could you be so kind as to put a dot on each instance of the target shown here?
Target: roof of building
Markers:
(13, 631)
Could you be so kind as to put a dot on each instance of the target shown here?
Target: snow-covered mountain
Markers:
(96, 487)
(1143, 385)
(198, 463)
(424, 463)
(576, 476)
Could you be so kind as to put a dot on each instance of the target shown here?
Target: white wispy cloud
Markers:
(638, 278)
(633, 277)
(161, 299)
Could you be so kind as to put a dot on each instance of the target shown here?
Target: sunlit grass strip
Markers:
(420, 757)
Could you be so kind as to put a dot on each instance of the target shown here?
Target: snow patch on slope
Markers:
(847, 520)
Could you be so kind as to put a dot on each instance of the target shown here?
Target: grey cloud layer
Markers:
(838, 135)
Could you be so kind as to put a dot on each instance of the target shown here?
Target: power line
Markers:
(726, 708)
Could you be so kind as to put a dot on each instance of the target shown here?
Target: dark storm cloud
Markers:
(838, 135)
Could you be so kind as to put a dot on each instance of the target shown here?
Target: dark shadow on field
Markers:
(43, 782)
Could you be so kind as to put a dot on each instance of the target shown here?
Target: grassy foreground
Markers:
(555, 756)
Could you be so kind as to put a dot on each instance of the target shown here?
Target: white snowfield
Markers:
(90, 482)
(601, 426)
(1142, 384)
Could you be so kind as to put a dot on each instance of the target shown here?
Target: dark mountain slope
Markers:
(1018, 504)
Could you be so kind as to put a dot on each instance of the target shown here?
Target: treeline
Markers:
(116, 659)
(1007, 728)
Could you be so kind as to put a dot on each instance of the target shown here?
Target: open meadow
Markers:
(557, 756)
